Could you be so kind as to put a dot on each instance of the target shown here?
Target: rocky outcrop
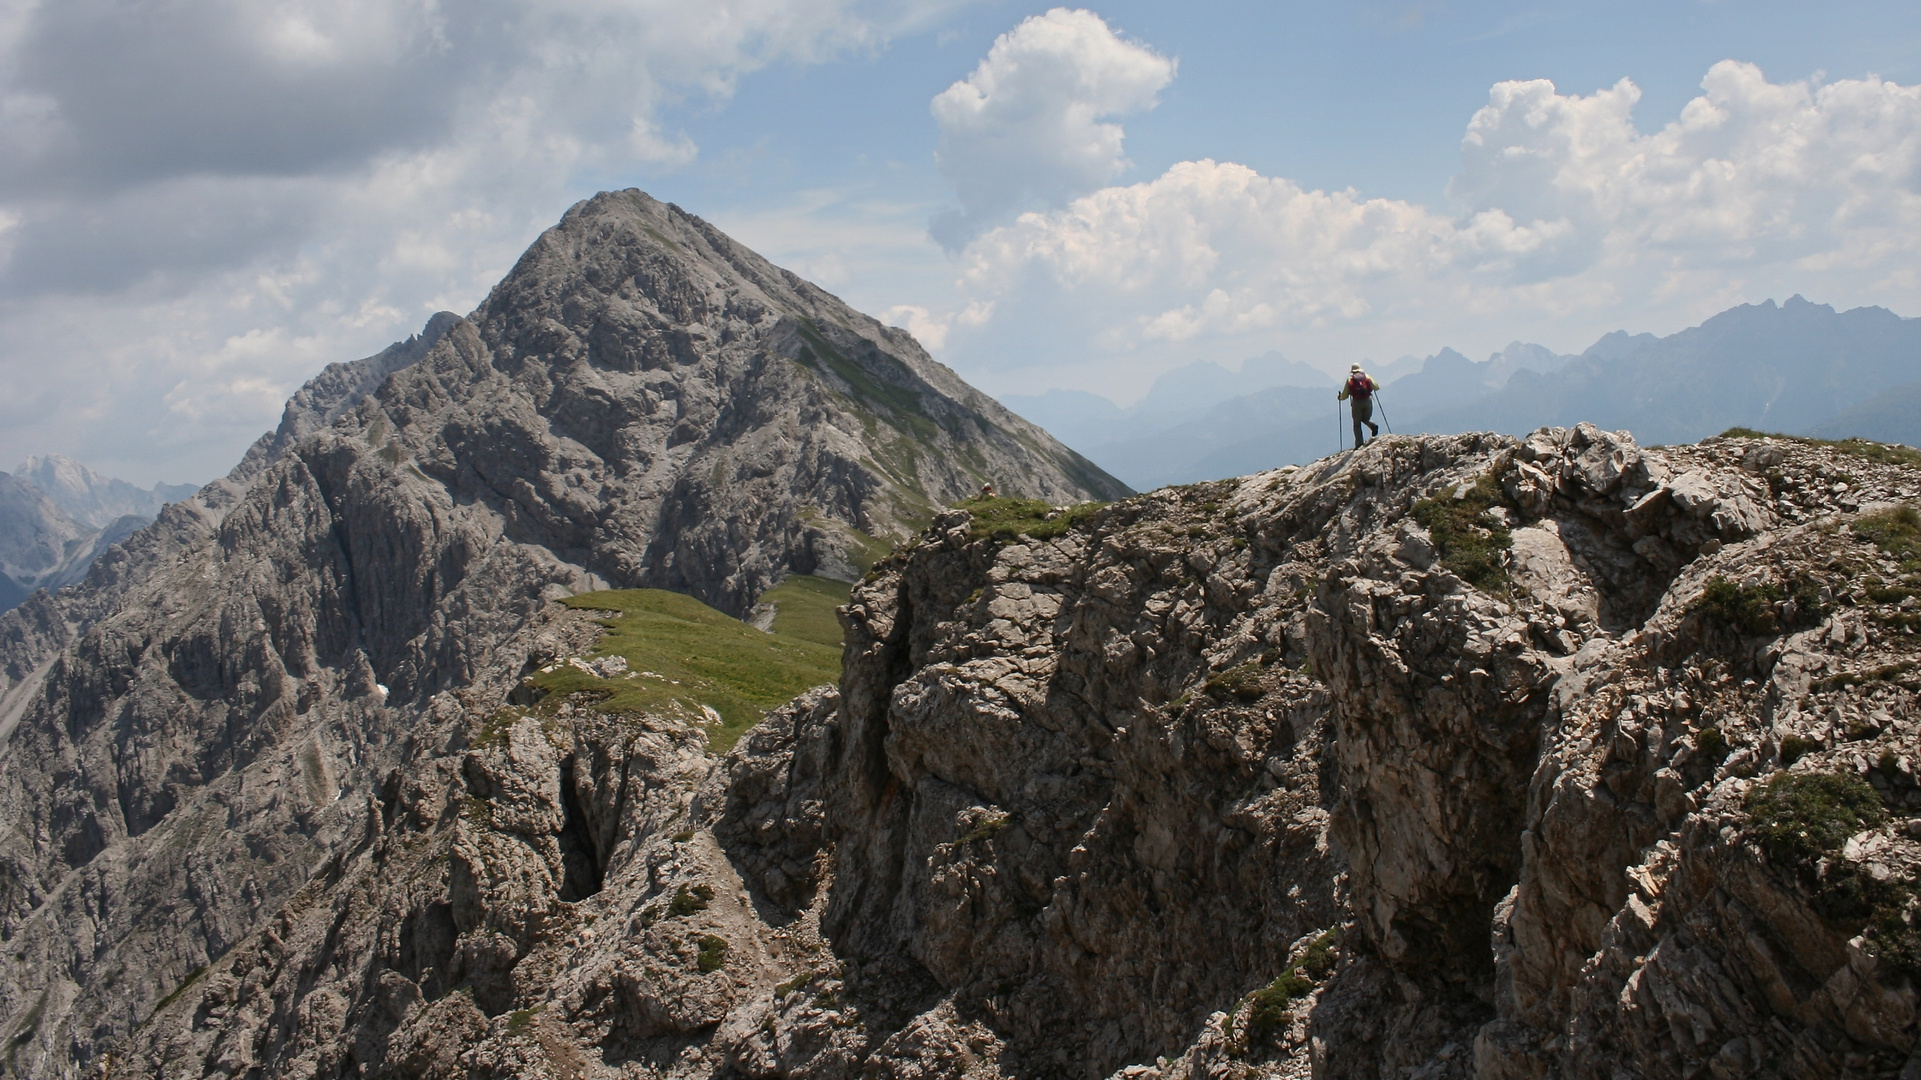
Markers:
(1302, 773)
(203, 730)
(1448, 757)
(338, 388)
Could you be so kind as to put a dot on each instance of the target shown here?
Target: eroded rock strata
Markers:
(1304, 773)
(201, 733)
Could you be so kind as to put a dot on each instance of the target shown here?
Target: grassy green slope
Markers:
(804, 608)
(682, 654)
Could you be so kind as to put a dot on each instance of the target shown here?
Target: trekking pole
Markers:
(1340, 440)
(1382, 402)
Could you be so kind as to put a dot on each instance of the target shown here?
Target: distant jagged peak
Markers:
(91, 498)
(1617, 344)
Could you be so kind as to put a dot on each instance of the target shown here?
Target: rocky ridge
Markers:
(1449, 757)
(201, 732)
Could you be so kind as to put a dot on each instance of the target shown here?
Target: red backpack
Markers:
(1360, 386)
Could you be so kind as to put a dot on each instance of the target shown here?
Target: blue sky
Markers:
(1371, 96)
(203, 204)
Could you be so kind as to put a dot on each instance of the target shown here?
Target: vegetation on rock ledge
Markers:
(1802, 821)
(1748, 609)
(681, 655)
(713, 952)
(1467, 537)
(1270, 1007)
(1008, 519)
(1896, 532)
(1865, 449)
(1803, 816)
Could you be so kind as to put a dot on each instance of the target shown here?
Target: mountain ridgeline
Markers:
(1796, 367)
(431, 742)
(57, 516)
(211, 720)
(1455, 757)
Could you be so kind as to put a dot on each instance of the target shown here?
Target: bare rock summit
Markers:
(207, 729)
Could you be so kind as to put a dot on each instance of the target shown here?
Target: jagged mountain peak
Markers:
(217, 710)
(91, 498)
(625, 262)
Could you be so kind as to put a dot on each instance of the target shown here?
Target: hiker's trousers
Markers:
(1363, 410)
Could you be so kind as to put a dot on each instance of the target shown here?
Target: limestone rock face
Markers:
(202, 733)
(1462, 756)
(1238, 780)
(338, 388)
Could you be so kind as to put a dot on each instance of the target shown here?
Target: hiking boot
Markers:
(1374, 430)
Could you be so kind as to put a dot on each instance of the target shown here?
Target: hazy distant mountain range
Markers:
(1796, 367)
(56, 515)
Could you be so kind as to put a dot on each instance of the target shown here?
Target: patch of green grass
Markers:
(1888, 673)
(1270, 1007)
(804, 608)
(1795, 747)
(903, 402)
(689, 900)
(984, 829)
(1241, 683)
(868, 550)
(1470, 542)
(1881, 592)
(660, 236)
(793, 984)
(1866, 449)
(1897, 532)
(682, 654)
(1804, 819)
(1746, 608)
(1880, 452)
(1008, 519)
(494, 730)
(520, 1020)
(713, 952)
(1803, 816)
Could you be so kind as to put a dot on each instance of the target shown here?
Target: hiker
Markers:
(987, 491)
(1359, 394)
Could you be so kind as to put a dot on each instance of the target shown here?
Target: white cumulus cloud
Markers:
(1568, 219)
(1031, 127)
(255, 188)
